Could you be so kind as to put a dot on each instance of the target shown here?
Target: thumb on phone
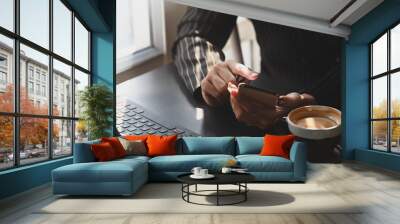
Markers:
(233, 89)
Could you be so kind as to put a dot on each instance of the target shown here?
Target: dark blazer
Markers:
(292, 60)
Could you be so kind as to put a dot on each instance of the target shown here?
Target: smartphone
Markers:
(254, 94)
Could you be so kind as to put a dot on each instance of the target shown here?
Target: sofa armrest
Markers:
(298, 155)
(83, 152)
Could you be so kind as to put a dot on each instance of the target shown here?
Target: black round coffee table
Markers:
(238, 179)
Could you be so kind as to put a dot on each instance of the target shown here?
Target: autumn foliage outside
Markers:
(33, 131)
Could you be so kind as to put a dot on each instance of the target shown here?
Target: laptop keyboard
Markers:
(132, 119)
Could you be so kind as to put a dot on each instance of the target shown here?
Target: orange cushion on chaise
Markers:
(277, 145)
(161, 145)
(103, 152)
(116, 145)
(136, 137)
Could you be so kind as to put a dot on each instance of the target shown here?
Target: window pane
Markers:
(81, 45)
(379, 135)
(34, 72)
(7, 14)
(35, 21)
(395, 136)
(62, 89)
(133, 26)
(62, 138)
(81, 81)
(6, 142)
(395, 94)
(33, 139)
(379, 97)
(395, 47)
(6, 74)
(62, 29)
(81, 131)
(379, 55)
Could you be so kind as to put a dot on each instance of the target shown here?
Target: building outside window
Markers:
(385, 91)
(30, 87)
(30, 72)
(55, 129)
(3, 72)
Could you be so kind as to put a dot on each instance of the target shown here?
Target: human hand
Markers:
(294, 100)
(253, 113)
(214, 85)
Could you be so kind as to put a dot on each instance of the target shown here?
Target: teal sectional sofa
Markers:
(125, 176)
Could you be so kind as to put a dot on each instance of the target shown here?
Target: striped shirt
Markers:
(292, 60)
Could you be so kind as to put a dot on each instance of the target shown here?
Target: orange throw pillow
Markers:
(277, 145)
(136, 137)
(161, 145)
(116, 145)
(103, 152)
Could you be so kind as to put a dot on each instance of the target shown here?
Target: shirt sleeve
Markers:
(201, 36)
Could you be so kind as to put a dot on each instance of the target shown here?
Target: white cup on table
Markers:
(203, 172)
(197, 171)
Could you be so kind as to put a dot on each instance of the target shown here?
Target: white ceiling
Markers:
(319, 9)
(314, 15)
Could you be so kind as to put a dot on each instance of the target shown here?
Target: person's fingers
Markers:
(233, 89)
(218, 83)
(224, 73)
(238, 110)
(210, 93)
(241, 70)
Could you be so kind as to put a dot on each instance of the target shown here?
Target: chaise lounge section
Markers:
(125, 176)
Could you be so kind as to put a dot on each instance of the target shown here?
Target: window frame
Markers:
(16, 114)
(158, 40)
(388, 74)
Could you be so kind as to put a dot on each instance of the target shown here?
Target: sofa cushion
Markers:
(161, 145)
(112, 171)
(185, 163)
(249, 145)
(257, 163)
(207, 145)
(103, 152)
(134, 147)
(116, 145)
(277, 145)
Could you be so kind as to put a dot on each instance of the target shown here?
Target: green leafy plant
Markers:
(96, 103)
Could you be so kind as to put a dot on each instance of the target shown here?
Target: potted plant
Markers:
(96, 104)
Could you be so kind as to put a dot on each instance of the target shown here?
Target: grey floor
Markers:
(377, 188)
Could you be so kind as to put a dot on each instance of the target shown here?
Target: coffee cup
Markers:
(203, 172)
(196, 171)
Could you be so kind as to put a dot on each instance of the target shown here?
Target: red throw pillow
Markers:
(116, 145)
(277, 145)
(161, 145)
(103, 152)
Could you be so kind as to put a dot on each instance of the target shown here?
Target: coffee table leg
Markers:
(245, 193)
(217, 194)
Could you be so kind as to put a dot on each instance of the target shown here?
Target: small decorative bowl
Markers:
(314, 122)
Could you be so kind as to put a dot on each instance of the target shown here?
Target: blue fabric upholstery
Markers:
(184, 163)
(125, 176)
(83, 152)
(208, 145)
(298, 155)
(249, 145)
(257, 163)
(119, 177)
